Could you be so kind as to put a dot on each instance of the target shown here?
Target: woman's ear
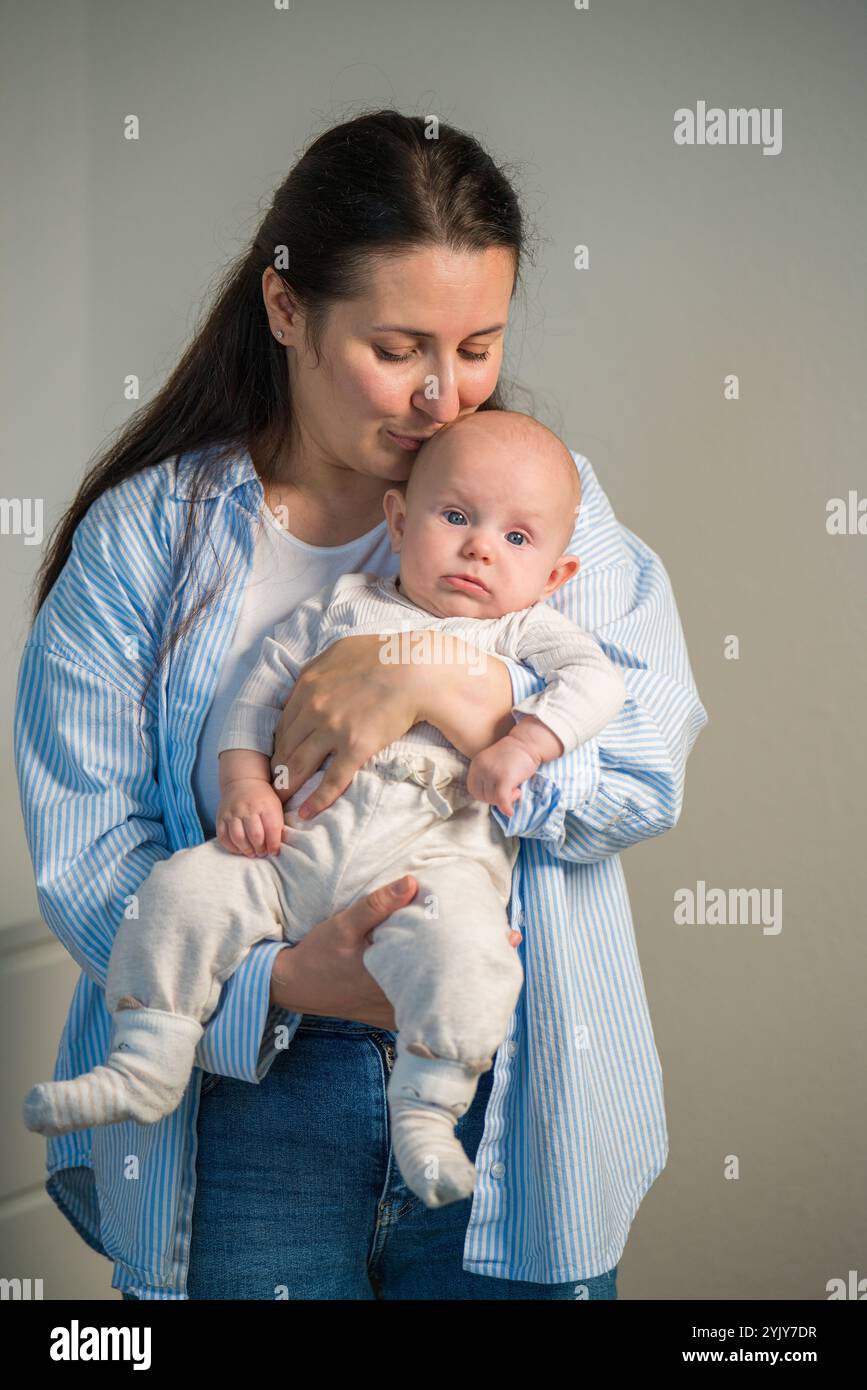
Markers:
(283, 312)
(394, 506)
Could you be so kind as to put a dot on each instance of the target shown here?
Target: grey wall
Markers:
(704, 262)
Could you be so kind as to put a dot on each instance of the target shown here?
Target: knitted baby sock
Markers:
(426, 1097)
(151, 1056)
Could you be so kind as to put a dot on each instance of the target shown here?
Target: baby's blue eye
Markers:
(519, 534)
(452, 511)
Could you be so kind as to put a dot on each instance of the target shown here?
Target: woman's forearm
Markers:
(470, 703)
(355, 698)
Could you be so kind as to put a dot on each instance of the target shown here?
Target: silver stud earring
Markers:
(279, 333)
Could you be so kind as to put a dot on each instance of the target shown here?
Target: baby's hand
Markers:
(250, 818)
(495, 775)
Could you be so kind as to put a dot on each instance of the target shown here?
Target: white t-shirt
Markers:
(285, 572)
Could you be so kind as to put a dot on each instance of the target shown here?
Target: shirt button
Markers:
(498, 1170)
(511, 1048)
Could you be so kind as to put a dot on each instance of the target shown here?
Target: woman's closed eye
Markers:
(404, 357)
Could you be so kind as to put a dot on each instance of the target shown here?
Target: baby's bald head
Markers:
(528, 458)
(485, 518)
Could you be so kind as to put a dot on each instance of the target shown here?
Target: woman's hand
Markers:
(346, 702)
(325, 974)
(351, 703)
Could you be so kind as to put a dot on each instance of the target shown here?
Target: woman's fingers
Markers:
(293, 707)
(369, 911)
(298, 718)
(334, 783)
(290, 768)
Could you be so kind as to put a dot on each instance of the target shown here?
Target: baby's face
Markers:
(481, 533)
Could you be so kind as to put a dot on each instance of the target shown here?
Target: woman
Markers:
(369, 311)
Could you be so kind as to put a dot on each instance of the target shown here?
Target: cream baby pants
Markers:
(444, 961)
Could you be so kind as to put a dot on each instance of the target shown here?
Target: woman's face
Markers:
(422, 346)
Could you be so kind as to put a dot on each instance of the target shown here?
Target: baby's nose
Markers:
(478, 544)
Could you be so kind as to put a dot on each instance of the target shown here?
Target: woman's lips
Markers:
(405, 441)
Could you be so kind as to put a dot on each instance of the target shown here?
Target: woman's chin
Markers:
(398, 469)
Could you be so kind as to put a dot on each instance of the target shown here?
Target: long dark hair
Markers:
(372, 184)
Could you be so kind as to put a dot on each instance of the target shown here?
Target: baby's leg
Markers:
(198, 914)
(446, 964)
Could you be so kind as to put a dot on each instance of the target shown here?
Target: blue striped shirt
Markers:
(575, 1130)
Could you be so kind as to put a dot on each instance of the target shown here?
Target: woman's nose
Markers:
(439, 397)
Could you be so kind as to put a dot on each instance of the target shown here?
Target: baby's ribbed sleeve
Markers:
(255, 713)
(584, 690)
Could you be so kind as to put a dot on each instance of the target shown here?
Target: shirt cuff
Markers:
(538, 813)
(245, 1032)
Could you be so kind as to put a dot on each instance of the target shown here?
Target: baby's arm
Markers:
(250, 817)
(584, 692)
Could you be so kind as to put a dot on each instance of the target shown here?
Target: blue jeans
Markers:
(298, 1195)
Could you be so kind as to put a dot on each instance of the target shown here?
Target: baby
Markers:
(481, 527)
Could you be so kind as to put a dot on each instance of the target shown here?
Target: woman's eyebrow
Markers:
(420, 332)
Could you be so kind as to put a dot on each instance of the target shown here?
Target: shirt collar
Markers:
(221, 475)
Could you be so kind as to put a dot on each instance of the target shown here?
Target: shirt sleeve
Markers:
(626, 784)
(245, 1032)
(89, 798)
(85, 752)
